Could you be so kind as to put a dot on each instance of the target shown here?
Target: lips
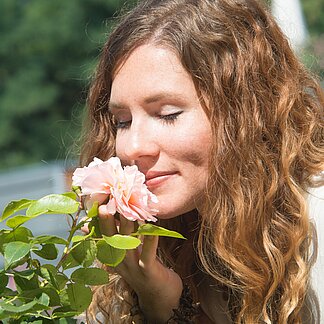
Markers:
(155, 178)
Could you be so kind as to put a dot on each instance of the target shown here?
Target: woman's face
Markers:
(162, 128)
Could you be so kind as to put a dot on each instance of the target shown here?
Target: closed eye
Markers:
(170, 118)
(122, 124)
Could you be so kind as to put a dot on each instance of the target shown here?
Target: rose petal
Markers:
(111, 206)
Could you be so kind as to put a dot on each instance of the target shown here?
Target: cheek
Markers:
(120, 144)
(195, 147)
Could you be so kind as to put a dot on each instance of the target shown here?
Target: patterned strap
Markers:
(184, 314)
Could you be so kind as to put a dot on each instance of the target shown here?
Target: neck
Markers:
(213, 300)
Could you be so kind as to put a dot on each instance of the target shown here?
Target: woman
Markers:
(208, 99)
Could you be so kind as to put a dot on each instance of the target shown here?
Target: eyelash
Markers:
(171, 118)
(122, 125)
(167, 119)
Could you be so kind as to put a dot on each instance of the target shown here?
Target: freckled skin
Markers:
(162, 126)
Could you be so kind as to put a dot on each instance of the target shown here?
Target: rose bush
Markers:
(32, 290)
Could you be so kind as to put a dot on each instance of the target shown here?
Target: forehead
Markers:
(150, 72)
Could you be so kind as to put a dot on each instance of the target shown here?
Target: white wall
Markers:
(290, 18)
(34, 182)
(316, 205)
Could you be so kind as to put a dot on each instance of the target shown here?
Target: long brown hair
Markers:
(253, 235)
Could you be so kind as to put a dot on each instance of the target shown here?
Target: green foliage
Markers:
(54, 204)
(33, 291)
(48, 52)
(14, 206)
(149, 229)
(314, 14)
(314, 54)
(109, 255)
(90, 276)
(122, 242)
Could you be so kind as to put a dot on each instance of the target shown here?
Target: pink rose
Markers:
(124, 187)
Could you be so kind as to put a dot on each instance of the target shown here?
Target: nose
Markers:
(140, 142)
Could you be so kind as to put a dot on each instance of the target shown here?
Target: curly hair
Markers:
(253, 234)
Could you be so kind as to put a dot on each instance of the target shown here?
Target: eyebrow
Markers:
(163, 95)
(116, 106)
(151, 99)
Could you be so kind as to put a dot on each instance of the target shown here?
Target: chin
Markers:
(168, 214)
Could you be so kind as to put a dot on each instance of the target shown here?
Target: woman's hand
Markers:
(157, 287)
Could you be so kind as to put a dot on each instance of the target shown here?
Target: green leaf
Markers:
(52, 239)
(4, 315)
(69, 262)
(43, 299)
(65, 312)
(22, 234)
(42, 303)
(76, 189)
(51, 268)
(3, 282)
(61, 280)
(8, 294)
(48, 272)
(3, 235)
(64, 298)
(149, 229)
(15, 206)
(71, 195)
(57, 280)
(79, 296)
(15, 251)
(48, 252)
(27, 274)
(67, 321)
(36, 321)
(90, 276)
(17, 309)
(53, 295)
(84, 252)
(17, 221)
(53, 203)
(24, 284)
(124, 242)
(94, 224)
(93, 211)
(109, 255)
(37, 293)
(79, 238)
(31, 293)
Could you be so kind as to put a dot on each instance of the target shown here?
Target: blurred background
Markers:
(48, 52)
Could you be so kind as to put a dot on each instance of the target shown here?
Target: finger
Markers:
(110, 270)
(85, 226)
(126, 226)
(149, 250)
(107, 222)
